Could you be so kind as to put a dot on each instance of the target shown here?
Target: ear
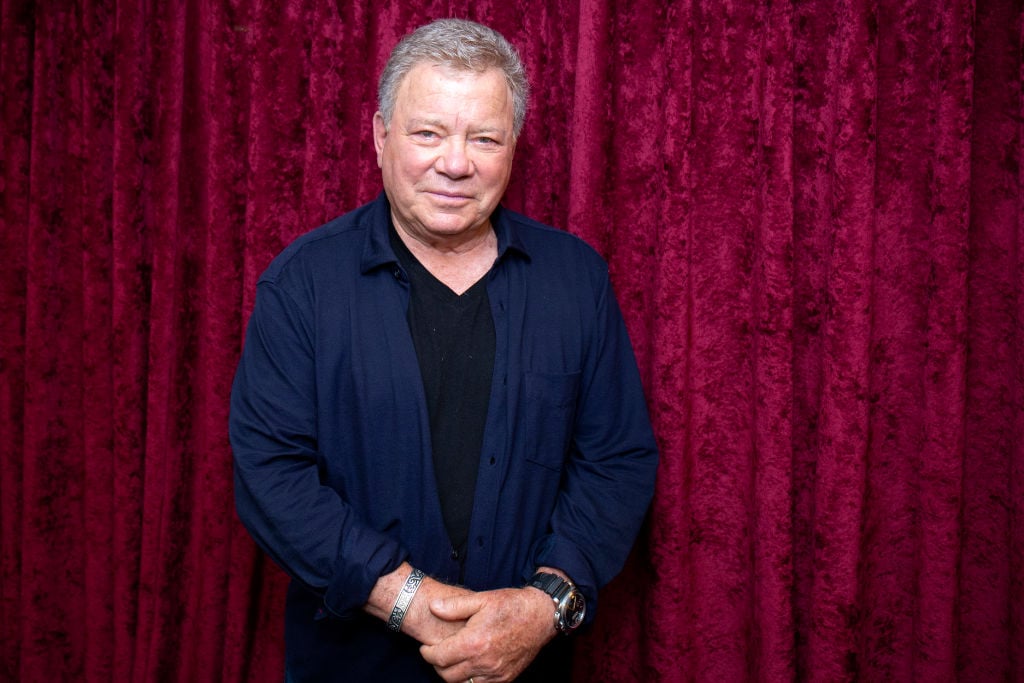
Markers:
(380, 134)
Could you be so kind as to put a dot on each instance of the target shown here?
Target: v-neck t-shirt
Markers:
(454, 339)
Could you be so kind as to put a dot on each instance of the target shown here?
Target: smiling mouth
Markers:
(449, 197)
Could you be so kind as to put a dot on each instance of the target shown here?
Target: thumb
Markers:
(455, 608)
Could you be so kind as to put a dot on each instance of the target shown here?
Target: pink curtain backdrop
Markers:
(813, 216)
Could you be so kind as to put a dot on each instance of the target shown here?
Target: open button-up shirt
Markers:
(334, 476)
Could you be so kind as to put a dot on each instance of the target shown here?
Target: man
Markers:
(437, 421)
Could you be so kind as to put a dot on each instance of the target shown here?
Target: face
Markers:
(447, 155)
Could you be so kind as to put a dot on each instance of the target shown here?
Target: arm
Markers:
(306, 527)
(608, 476)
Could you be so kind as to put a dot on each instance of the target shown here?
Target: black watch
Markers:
(570, 607)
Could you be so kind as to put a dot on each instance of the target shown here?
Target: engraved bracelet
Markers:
(404, 599)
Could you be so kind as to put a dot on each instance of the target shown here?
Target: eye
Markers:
(425, 135)
(486, 141)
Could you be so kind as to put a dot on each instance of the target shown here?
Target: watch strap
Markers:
(549, 583)
(563, 593)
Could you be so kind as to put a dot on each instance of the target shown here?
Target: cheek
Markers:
(414, 165)
(496, 172)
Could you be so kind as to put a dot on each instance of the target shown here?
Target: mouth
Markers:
(449, 197)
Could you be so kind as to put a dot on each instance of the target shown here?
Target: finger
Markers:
(442, 657)
(457, 676)
(456, 608)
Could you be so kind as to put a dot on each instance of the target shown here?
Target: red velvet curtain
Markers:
(813, 216)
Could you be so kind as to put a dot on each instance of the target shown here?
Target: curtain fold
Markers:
(990, 584)
(813, 217)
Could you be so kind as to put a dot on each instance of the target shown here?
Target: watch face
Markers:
(575, 610)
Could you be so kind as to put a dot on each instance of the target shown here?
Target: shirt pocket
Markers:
(549, 412)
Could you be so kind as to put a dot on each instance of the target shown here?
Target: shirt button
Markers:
(455, 555)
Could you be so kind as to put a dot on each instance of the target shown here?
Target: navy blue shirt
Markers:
(334, 475)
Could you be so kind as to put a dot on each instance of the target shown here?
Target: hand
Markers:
(420, 622)
(505, 629)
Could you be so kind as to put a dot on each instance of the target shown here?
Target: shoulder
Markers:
(337, 244)
(551, 247)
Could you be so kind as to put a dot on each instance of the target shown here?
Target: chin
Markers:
(451, 225)
(449, 229)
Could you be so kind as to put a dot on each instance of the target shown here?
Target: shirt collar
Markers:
(377, 251)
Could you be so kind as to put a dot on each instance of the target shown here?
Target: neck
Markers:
(454, 245)
(459, 264)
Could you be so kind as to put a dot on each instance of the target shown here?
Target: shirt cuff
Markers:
(560, 553)
(352, 581)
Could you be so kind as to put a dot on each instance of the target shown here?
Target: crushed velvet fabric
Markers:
(813, 217)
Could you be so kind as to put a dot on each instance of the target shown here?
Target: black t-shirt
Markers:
(454, 339)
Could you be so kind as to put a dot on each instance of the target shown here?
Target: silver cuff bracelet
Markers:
(404, 599)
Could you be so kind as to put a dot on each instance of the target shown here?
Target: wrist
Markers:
(403, 601)
(569, 605)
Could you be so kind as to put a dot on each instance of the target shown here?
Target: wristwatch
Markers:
(570, 607)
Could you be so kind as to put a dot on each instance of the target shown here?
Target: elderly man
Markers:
(437, 421)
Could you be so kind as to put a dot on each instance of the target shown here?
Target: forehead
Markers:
(431, 85)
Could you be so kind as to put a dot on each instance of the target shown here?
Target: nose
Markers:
(453, 160)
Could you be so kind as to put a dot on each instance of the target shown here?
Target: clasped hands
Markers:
(489, 636)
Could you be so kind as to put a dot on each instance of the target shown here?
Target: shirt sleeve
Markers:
(304, 526)
(608, 478)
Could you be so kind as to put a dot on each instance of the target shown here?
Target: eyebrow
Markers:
(412, 123)
(436, 123)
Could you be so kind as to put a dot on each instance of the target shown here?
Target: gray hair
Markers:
(459, 44)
